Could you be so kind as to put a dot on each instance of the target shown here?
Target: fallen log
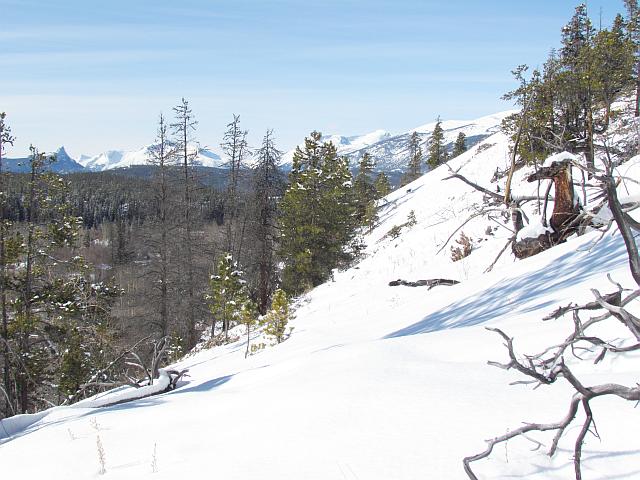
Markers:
(433, 282)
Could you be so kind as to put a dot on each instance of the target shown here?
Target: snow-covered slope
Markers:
(376, 382)
(391, 152)
(121, 159)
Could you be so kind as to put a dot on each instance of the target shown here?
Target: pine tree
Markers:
(460, 146)
(612, 65)
(633, 31)
(227, 295)
(277, 318)
(365, 191)
(576, 78)
(317, 216)
(52, 296)
(436, 146)
(268, 188)
(382, 185)
(74, 369)
(5, 139)
(249, 318)
(414, 167)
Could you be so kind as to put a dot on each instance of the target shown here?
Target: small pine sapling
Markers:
(278, 316)
(248, 317)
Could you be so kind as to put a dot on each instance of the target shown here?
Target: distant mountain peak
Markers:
(111, 159)
(390, 152)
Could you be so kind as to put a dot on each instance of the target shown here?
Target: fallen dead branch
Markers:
(434, 282)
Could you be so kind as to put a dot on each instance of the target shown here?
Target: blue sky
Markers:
(95, 75)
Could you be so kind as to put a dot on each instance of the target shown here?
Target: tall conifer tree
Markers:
(460, 146)
(268, 188)
(317, 215)
(414, 167)
(436, 146)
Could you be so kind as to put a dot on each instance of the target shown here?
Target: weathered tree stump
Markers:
(565, 211)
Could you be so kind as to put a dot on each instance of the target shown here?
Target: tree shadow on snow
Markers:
(589, 456)
(205, 386)
(523, 294)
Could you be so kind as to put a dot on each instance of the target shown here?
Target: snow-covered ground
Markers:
(376, 382)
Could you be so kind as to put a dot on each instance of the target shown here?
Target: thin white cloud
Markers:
(88, 57)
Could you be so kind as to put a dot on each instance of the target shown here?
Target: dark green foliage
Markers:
(318, 216)
(277, 318)
(227, 297)
(437, 153)
(460, 146)
(633, 37)
(8, 255)
(569, 100)
(268, 189)
(73, 369)
(52, 304)
(414, 167)
(365, 192)
(382, 185)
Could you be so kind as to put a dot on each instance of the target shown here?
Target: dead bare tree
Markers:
(547, 367)
(183, 127)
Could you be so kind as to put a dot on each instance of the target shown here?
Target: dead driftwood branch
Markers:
(549, 366)
(494, 195)
(433, 282)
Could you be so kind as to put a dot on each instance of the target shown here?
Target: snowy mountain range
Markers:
(389, 151)
(376, 381)
(113, 159)
(63, 164)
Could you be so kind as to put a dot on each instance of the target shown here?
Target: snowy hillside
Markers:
(376, 382)
(391, 151)
(121, 159)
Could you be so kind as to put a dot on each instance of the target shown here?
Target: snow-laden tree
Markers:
(317, 221)
(227, 296)
(55, 313)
